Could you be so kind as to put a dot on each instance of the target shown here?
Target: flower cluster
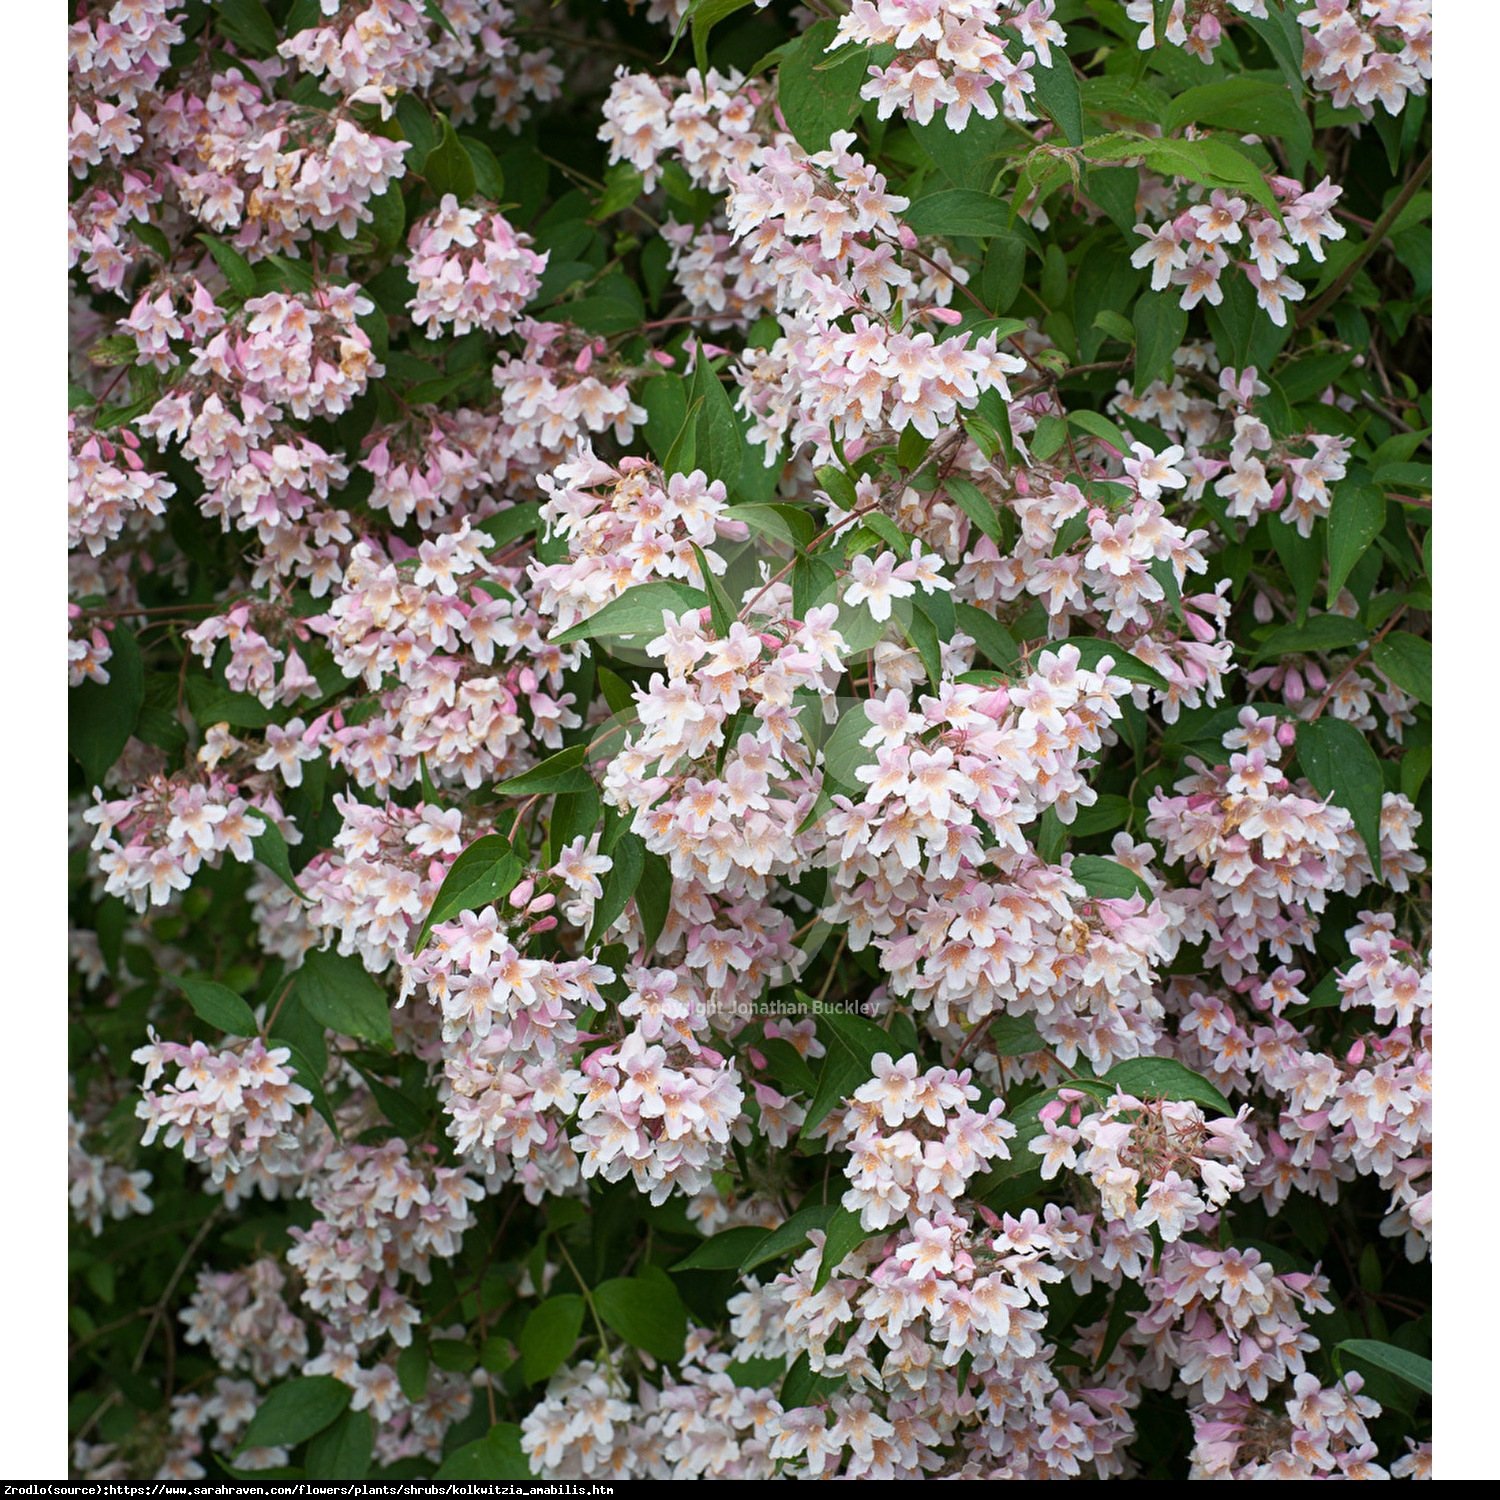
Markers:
(949, 57)
(97, 1186)
(152, 841)
(243, 1319)
(470, 269)
(226, 1107)
(1167, 1148)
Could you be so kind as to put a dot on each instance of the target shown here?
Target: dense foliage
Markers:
(750, 728)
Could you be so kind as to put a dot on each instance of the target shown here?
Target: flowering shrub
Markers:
(750, 711)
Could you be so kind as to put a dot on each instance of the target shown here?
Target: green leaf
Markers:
(486, 871)
(852, 1042)
(638, 611)
(619, 884)
(724, 1251)
(1302, 557)
(411, 1371)
(310, 1076)
(238, 271)
(1402, 1363)
(247, 23)
(958, 211)
(707, 14)
(718, 601)
(653, 896)
(1407, 660)
(1166, 1078)
(789, 1236)
(549, 1334)
(1321, 633)
(102, 716)
(1091, 651)
(992, 638)
(496, 1456)
(1100, 427)
(219, 1006)
(489, 178)
(1108, 879)
(453, 1355)
(1160, 327)
(646, 1312)
(1339, 762)
(816, 100)
(1356, 518)
(271, 851)
(844, 1233)
(1279, 30)
(562, 772)
(344, 1450)
(1057, 93)
(338, 992)
(448, 167)
(719, 441)
(1248, 106)
(756, 1374)
(802, 1388)
(294, 1411)
(1015, 1036)
(843, 755)
(787, 1066)
(388, 219)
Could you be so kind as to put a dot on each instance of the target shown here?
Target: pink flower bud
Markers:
(757, 1060)
(522, 893)
(948, 315)
(662, 358)
(544, 902)
(1357, 1053)
(584, 360)
(907, 237)
(1286, 734)
(545, 925)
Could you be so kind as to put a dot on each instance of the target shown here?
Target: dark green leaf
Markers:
(958, 211)
(238, 271)
(1321, 633)
(271, 850)
(411, 1371)
(549, 1334)
(653, 896)
(852, 1042)
(816, 100)
(724, 1251)
(1402, 1363)
(1015, 1036)
(646, 1312)
(1108, 879)
(498, 1456)
(1339, 762)
(619, 884)
(219, 1006)
(1407, 660)
(339, 992)
(844, 1233)
(563, 772)
(344, 1450)
(486, 871)
(1356, 518)
(102, 716)
(789, 1236)
(448, 167)
(294, 1410)
(1160, 327)
(638, 611)
(1057, 93)
(1166, 1078)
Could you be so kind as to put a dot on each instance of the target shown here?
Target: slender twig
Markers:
(1371, 245)
(1385, 630)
